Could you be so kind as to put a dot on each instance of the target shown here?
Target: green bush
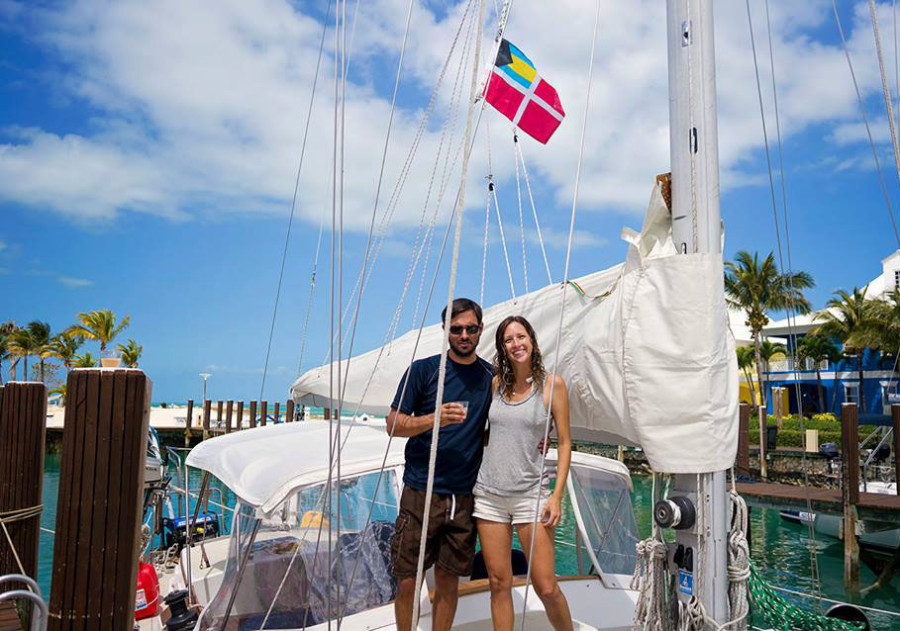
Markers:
(796, 438)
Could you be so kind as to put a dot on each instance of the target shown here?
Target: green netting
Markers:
(781, 614)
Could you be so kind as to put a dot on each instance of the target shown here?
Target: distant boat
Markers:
(871, 535)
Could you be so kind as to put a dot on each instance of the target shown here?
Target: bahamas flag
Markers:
(517, 91)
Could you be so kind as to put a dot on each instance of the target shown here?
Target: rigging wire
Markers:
(309, 300)
(493, 191)
(895, 143)
(792, 311)
(287, 237)
(562, 310)
(442, 371)
(487, 214)
(393, 201)
(384, 153)
(862, 111)
(521, 157)
(521, 216)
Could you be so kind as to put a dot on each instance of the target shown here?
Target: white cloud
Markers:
(199, 111)
(71, 281)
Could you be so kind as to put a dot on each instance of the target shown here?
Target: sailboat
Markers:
(646, 350)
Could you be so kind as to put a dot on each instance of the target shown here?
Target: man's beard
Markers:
(464, 353)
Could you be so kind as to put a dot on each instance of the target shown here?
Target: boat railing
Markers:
(33, 594)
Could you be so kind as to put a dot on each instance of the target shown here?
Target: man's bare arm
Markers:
(406, 425)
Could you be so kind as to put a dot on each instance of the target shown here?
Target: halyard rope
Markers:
(439, 399)
(562, 310)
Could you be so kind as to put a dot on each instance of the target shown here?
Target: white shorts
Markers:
(515, 508)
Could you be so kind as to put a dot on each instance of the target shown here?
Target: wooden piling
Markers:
(277, 406)
(219, 415)
(742, 462)
(289, 411)
(98, 516)
(240, 415)
(253, 414)
(188, 423)
(763, 464)
(326, 414)
(262, 412)
(895, 414)
(207, 412)
(850, 493)
(23, 410)
(228, 411)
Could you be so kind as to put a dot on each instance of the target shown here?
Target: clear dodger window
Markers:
(317, 558)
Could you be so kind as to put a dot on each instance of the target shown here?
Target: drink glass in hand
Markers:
(465, 408)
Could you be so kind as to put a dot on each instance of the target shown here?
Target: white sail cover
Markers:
(646, 351)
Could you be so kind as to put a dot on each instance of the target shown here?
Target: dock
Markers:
(871, 506)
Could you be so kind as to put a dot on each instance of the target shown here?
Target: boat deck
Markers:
(874, 506)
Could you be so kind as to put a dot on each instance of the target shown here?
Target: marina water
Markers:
(779, 548)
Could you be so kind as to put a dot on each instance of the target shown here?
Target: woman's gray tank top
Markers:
(512, 462)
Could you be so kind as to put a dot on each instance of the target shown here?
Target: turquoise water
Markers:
(779, 549)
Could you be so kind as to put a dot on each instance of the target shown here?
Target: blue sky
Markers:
(148, 155)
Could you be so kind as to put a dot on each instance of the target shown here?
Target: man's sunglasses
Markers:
(472, 329)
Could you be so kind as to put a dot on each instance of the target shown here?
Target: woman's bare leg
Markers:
(496, 543)
(543, 574)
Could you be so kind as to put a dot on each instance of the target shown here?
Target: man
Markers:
(450, 545)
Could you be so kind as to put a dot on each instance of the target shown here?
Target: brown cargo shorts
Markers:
(451, 533)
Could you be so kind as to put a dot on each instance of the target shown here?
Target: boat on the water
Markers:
(871, 534)
(305, 550)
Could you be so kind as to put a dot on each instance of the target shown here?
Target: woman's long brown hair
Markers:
(503, 367)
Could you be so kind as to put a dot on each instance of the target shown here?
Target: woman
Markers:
(510, 476)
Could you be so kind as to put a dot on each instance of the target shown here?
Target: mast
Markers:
(693, 137)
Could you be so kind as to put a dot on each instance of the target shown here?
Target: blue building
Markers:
(840, 381)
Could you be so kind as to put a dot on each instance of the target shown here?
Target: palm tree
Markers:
(131, 353)
(818, 348)
(882, 326)
(99, 325)
(65, 349)
(848, 318)
(6, 330)
(746, 358)
(768, 350)
(758, 287)
(40, 334)
(85, 361)
(5, 353)
(22, 344)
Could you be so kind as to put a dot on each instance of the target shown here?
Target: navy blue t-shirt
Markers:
(460, 446)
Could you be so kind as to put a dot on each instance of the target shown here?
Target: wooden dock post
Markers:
(98, 517)
(895, 414)
(207, 412)
(188, 423)
(23, 413)
(850, 493)
(219, 415)
(277, 406)
(289, 411)
(763, 422)
(228, 412)
(262, 412)
(253, 414)
(326, 414)
(742, 462)
(240, 415)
